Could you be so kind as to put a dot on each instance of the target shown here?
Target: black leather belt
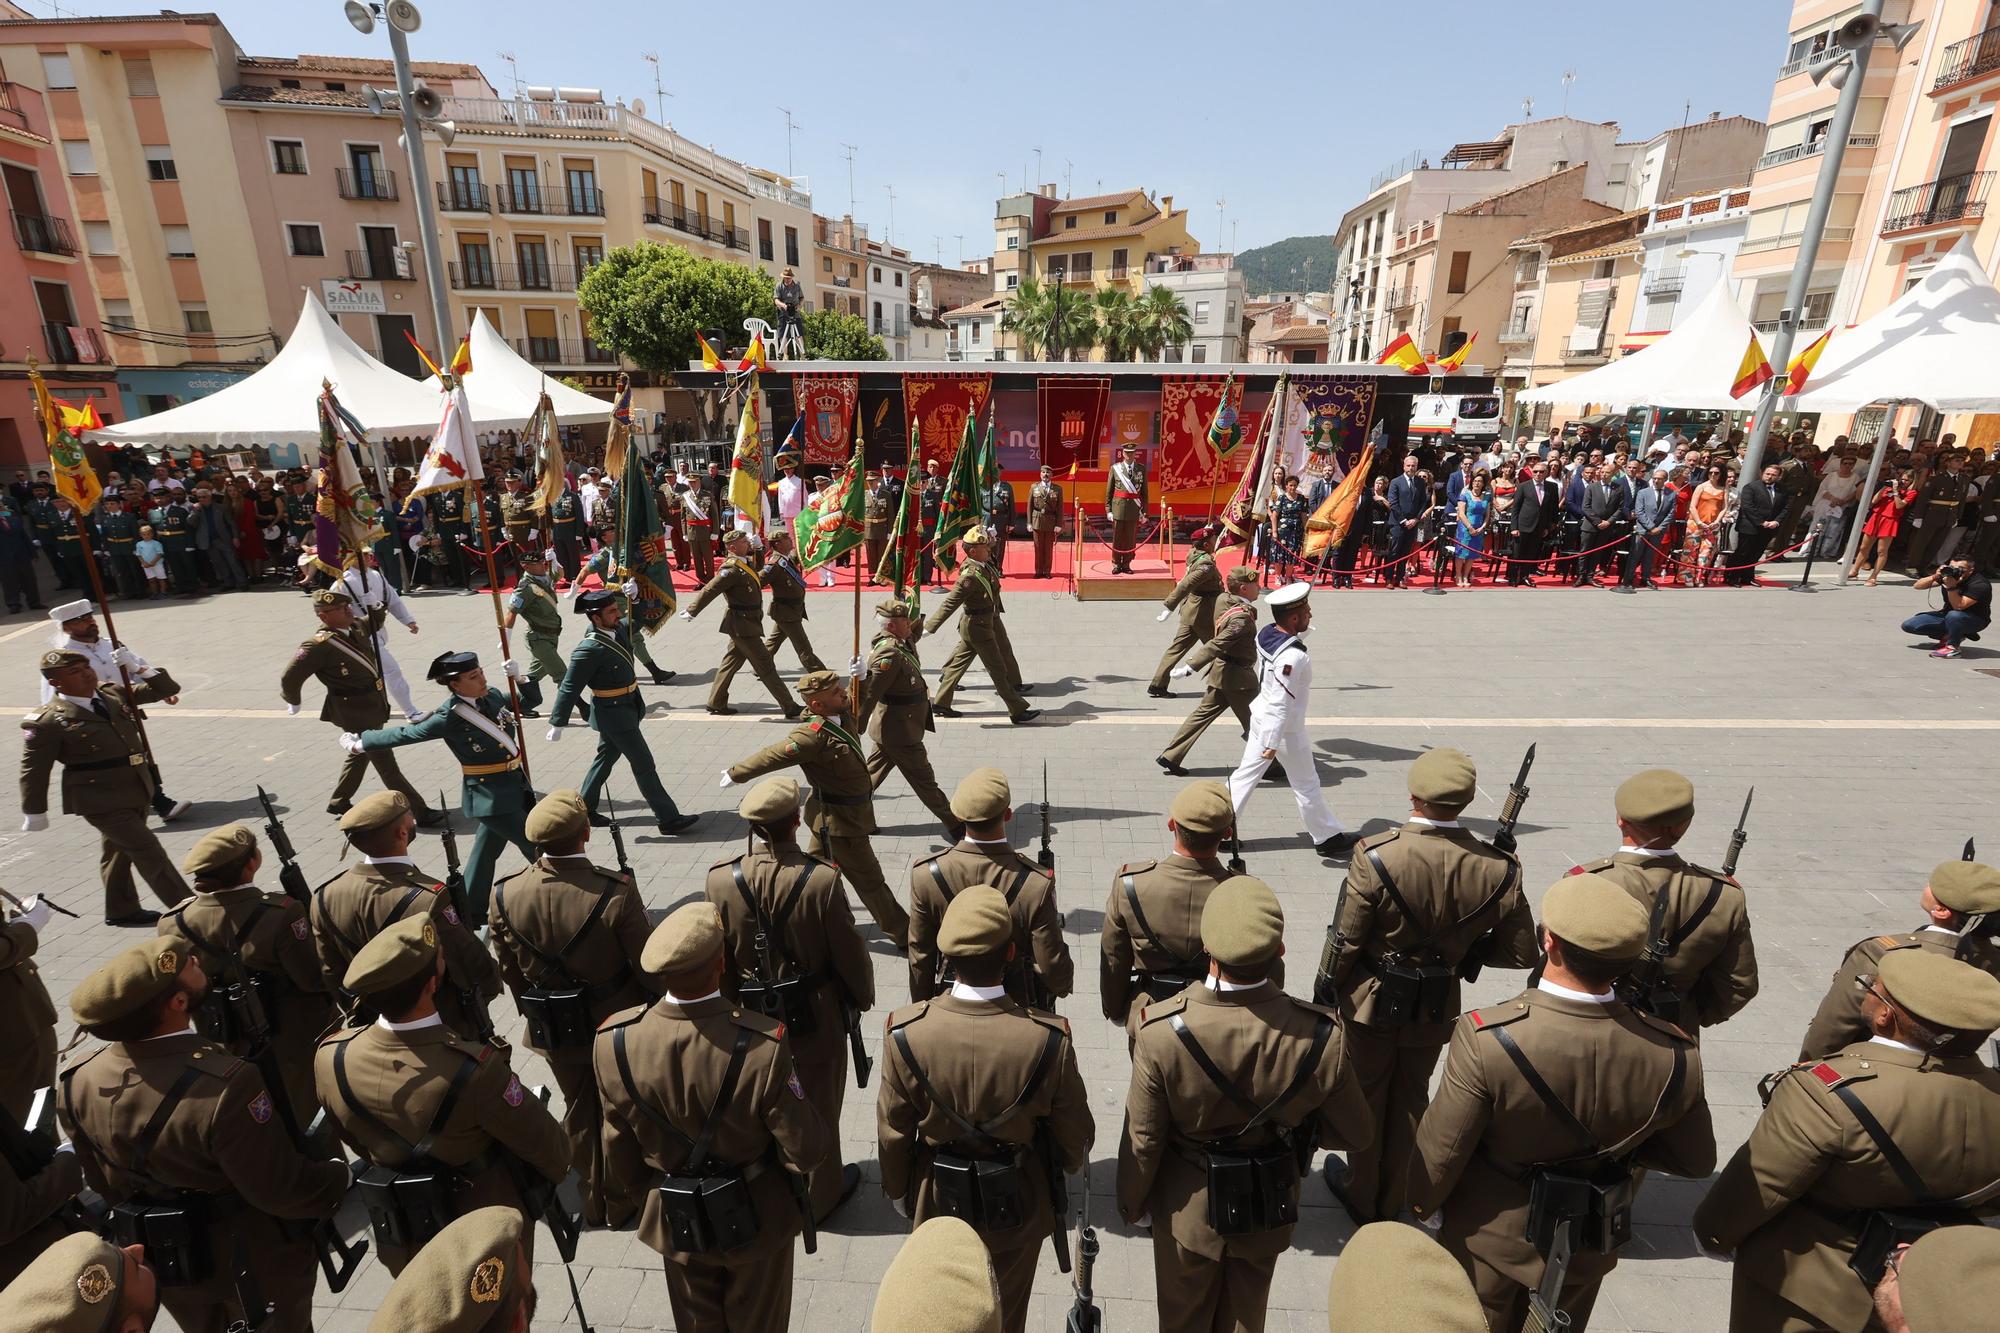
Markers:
(91, 765)
(901, 698)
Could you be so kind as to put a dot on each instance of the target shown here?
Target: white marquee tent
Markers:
(1693, 366)
(504, 386)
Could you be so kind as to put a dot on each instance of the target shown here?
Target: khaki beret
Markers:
(1242, 923)
(1203, 807)
(58, 658)
(331, 597)
(72, 1287)
(1942, 991)
(892, 608)
(770, 800)
(129, 981)
(1595, 913)
(735, 534)
(977, 536)
(941, 1281)
(1966, 886)
(372, 812)
(1950, 1280)
(1394, 1276)
(220, 853)
(977, 922)
(1444, 776)
(558, 817)
(1656, 796)
(982, 796)
(815, 681)
(689, 937)
(397, 953)
(460, 1278)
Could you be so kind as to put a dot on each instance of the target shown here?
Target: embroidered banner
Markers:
(1069, 414)
(825, 404)
(1185, 458)
(939, 406)
(1326, 423)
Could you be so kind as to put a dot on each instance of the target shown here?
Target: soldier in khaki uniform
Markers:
(980, 633)
(27, 1063)
(408, 1095)
(92, 730)
(1151, 947)
(1195, 597)
(1611, 1086)
(519, 519)
(161, 1116)
(1045, 515)
(877, 516)
(1393, 1276)
(741, 589)
(972, 1075)
(785, 919)
(693, 1068)
(1908, 1118)
(788, 601)
(1289, 1088)
(565, 924)
(475, 1276)
(387, 886)
(1231, 658)
(841, 810)
(229, 924)
(1958, 903)
(941, 1281)
(85, 1284)
(1042, 971)
(1709, 962)
(896, 711)
(1426, 897)
(342, 659)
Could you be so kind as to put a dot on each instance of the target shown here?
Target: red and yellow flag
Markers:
(76, 418)
(1457, 359)
(753, 358)
(1802, 364)
(461, 360)
(709, 360)
(1403, 354)
(1330, 522)
(75, 480)
(1753, 371)
(422, 355)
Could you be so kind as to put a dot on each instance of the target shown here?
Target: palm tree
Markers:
(1029, 316)
(1163, 321)
(1077, 326)
(1117, 322)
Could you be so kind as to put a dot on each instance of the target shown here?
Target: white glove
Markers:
(34, 915)
(630, 587)
(350, 742)
(512, 669)
(1164, 614)
(34, 823)
(854, 667)
(125, 657)
(687, 615)
(727, 781)
(554, 735)
(1181, 672)
(1916, 523)
(291, 710)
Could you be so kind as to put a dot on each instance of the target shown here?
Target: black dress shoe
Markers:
(598, 820)
(662, 677)
(1336, 1175)
(941, 711)
(1337, 845)
(678, 824)
(531, 712)
(1024, 689)
(1170, 766)
(430, 819)
(142, 917)
(722, 710)
(794, 713)
(1158, 692)
(1025, 716)
(338, 808)
(850, 1181)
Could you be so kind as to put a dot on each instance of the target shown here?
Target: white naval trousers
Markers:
(392, 675)
(1295, 753)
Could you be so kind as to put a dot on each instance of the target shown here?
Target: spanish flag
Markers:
(1753, 371)
(709, 360)
(753, 359)
(1456, 359)
(1802, 364)
(1403, 353)
(79, 419)
(461, 360)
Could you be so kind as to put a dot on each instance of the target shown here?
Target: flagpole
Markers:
(857, 470)
(1221, 464)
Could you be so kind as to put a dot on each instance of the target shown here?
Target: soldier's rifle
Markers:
(1739, 836)
(1045, 1145)
(1545, 1314)
(540, 1199)
(454, 888)
(1046, 857)
(1966, 855)
(57, 907)
(291, 876)
(1084, 1316)
(617, 833)
(1503, 840)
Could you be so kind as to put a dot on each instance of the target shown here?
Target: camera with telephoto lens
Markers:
(1951, 572)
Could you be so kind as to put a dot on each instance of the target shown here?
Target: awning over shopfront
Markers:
(1693, 366)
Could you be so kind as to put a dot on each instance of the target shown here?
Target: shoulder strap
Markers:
(559, 960)
(1885, 1145)
(1322, 1033)
(1145, 927)
(768, 926)
(448, 1103)
(1700, 914)
(1556, 1105)
(1051, 1043)
(403, 903)
(938, 876)
(697, 1146)
(1389, 884)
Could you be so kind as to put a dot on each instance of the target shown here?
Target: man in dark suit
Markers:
(17, 561)
(1407, 502)
(1652, 517)
(1603, 524)
(1570, 537)
(1459, 480)
(1760, 507)
(1534, 512)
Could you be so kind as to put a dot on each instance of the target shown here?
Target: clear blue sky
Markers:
(1283, 110)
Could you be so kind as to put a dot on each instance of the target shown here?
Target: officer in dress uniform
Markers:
(519, 519)
(982, 1108)
(478, 729)
(841, 810)
(568, 935)
(1045, 515)
(1700, 927)
(1564, 1083)
(999, 504)
(788, 601)
(896, 711)
(981, 633)
(339, 656)
(85, 1284)
(941, 1281)
(602, 662)
(1125, 507)
(475, 1276)
(163, 1119)
(448, 516)
(1959, 902)
(115, 663)
(411, 1097)
(566, 532)
(877, 515)
(1863, 1150)
(170, 522)
(28, 1202)
(1231, 658)
(691, 1069)
(387, 886)
(92, 730)
(793, 954)
(1231, 1067)
(741, 588)
(1195, 597)
(1278, 720)
(1420, 903)
(700, 506)
(1151, 944)
(239, 933)
(534, 600)
(1042, 971)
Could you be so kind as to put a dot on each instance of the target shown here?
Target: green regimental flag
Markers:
(961, 512)
(837, 520)
(989, 467)
(899, 560)
(641, 547)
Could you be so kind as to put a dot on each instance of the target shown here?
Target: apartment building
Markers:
(840, 266)
(888, 297)
(935, 291)
(1211, 287)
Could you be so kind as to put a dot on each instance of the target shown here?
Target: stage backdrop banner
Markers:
(1069, 415)
(940, 405)
(1185, 458)
(1326, 423)
(826, 402)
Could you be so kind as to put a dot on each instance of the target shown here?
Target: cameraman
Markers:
(1968, 607)
(790, 297)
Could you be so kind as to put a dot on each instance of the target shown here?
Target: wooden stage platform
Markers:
(1150, 581)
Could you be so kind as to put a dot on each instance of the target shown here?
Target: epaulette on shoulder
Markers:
(926, 860)
(340, 1032)
(330, 879)
(1382, 839)
(77, 1060)
(1312, 1008)
(46, 713)
(905, 1016)
(1048, 1018)
(1498, 1015)
(1137, 867)
(1710, 872)
(1166, 1008)
(320, 636)
(1828, 1074)
(216, 1062)
(763, 1024)
(1592, 867)
(728, 861)
(623, 1017)
(1654, 1021)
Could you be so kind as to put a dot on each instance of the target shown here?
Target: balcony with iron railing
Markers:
(1777, 157)
(1943, 202)
(666, 213)
(495, 277)
(1517, 337)
(60, 346)
(1806, 324)
(370, 184)
(41, 234)
(576, 201)
(375, 267)
(1665, 283)
(11, 112)
(1974, 58)
(1399, 298)
(884, 327)
(464, 197)
(565, 352)
(571, 121)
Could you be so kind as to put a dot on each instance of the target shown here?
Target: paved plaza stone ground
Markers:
(1871, 761)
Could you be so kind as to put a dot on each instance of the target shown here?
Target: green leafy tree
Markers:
(1163, 322)
(833, 336)
(646, 301)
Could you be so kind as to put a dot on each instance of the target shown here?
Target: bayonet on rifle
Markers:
(1084, 1316)
(291, 878)
(1545, 1314)
(60, 910)
(617, 833)
(1046, 858)
(1967, 855)
(1739, 836)
(1510, 810)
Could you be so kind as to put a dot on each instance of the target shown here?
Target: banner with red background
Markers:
(1185, 458)
(940, 405)
(1069, 414)
(825, 404)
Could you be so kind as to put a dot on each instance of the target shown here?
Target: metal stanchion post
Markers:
(1812, 552)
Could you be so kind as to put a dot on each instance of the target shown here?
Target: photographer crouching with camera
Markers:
(1967, 609)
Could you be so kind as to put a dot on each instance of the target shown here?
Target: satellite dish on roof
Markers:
(638, 106)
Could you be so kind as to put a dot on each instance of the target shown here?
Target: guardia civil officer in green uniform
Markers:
(534, 600)
(602, 663)
(477, 727)
(473, 1277)
(566, 531)
(120, 533)
(1194, 596)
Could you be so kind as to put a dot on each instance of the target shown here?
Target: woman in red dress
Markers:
(1885, 520)
(249, 533)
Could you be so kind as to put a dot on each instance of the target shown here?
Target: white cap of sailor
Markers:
(1279, 598)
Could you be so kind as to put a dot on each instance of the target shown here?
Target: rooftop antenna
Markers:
(513, 72)
(1569, 77)
(1038, 168)
(937, 249)
(1067, 169)
(1680, 146)
(660, 94)
(1527, 108)
(1220, 201)
(1001, 176)
(850, 178)
(891, 237)
(960, 238)
(790, 126)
